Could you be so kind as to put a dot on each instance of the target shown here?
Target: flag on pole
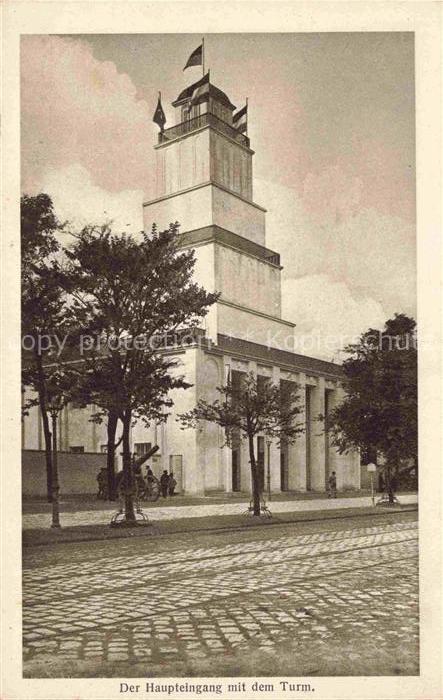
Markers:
(240, 119)
(202, 88)
(196, 58)
(159, 115)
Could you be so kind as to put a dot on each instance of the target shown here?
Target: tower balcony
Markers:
(206, 119)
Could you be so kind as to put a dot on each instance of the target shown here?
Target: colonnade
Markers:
(306, 463)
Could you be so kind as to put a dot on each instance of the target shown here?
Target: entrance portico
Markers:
(300, 466)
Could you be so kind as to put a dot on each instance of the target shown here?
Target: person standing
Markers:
(150, 479)
(164, 483)
(102, 480)
(172, 484)
(332, 486)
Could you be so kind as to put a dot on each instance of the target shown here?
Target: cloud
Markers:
(76, 109)
(327, 315)
(78, 200)
(332, 195)
(369, 251)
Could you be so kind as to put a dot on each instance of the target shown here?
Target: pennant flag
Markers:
(240, 120)
(201, 89)
(196, 58)
(159, 115)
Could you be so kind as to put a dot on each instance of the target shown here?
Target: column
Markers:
(226, 452)
(274, 449)
(245, 467)
(297, 450)
(225, 462)
(245, 464)
(335, 459)
(318, 463)
(188, 442)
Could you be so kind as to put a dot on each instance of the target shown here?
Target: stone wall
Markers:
(77, 472)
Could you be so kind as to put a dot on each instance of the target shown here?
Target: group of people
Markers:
(167, 484)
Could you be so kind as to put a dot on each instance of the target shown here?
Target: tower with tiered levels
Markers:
(204, 182)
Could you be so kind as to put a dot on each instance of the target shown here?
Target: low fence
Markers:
(77, 473)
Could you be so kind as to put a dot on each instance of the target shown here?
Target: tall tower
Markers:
(204, 182)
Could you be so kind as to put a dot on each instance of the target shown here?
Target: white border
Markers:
(423, 18)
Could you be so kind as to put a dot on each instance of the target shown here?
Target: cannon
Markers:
(144, 489)
(137, 463)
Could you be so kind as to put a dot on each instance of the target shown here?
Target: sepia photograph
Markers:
(220, 363)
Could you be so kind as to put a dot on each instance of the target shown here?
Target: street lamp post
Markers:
(268, 472)
(371, 469)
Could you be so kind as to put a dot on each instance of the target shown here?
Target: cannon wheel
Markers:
(151, 492)
(143, 492)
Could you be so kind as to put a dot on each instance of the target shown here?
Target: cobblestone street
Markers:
(172, 608)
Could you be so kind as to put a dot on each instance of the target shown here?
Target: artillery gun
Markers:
(145, 489)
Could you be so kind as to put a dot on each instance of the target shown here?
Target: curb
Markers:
(150, 529)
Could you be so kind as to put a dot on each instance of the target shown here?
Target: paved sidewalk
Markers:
(102, 517)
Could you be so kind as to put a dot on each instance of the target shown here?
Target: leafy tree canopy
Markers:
(249, 407)
(379, 412)
(127, 295)
(39, 225)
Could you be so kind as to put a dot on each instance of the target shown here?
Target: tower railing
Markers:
(206, 119)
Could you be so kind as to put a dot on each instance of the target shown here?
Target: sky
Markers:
(332, 124)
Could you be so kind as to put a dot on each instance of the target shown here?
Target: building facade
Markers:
(205, 182)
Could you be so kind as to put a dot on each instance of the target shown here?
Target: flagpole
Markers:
(247, 116)
(203, 55)
(162, 127)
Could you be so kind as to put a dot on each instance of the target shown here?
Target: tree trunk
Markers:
(110, 458)
(45, 422)
(128, 476)
(255, 476)
(388, 484)
(48, 450)
(55, 484)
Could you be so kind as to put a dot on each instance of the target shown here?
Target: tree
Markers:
(42, 304)
(379, 412)
(60, 380)
(253, 406)
(128, 295)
